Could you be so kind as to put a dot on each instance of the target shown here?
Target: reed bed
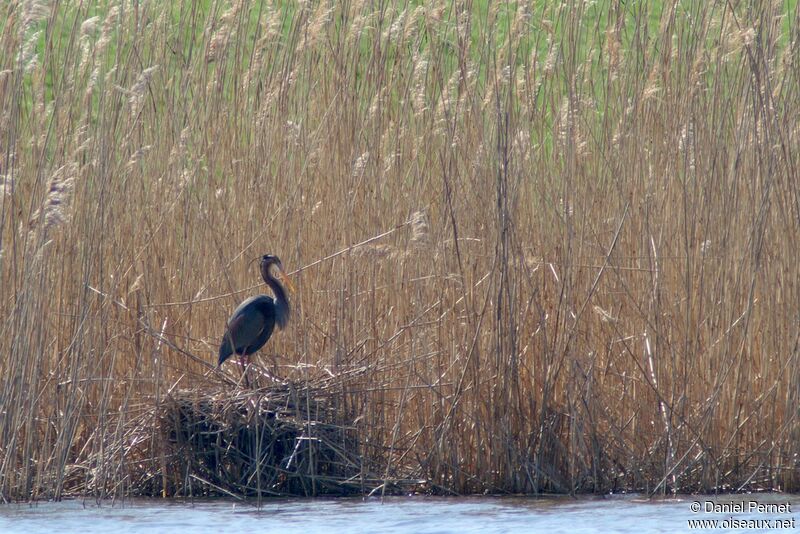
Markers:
(282, 439)
(539, 247)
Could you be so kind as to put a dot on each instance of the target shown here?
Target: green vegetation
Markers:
(585, 268)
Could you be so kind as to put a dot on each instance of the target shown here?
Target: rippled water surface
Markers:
(403, 514)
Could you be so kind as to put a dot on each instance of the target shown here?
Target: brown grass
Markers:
(587, 271)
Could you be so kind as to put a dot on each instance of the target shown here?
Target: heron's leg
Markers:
(243, 364)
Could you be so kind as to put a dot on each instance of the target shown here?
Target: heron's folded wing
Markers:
(245, 328)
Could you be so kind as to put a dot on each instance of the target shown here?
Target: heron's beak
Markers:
(286, 280)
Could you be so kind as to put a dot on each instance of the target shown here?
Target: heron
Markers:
(252, 322)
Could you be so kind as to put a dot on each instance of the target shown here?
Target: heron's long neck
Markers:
(281, 302)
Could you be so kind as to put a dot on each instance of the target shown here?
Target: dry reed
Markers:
(583, 276)
(281, 439)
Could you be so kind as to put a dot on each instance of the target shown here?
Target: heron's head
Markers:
(268, 260)
(272, 264)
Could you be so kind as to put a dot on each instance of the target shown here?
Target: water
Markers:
(401, 514)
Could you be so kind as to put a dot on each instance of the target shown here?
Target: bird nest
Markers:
(284, 439)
